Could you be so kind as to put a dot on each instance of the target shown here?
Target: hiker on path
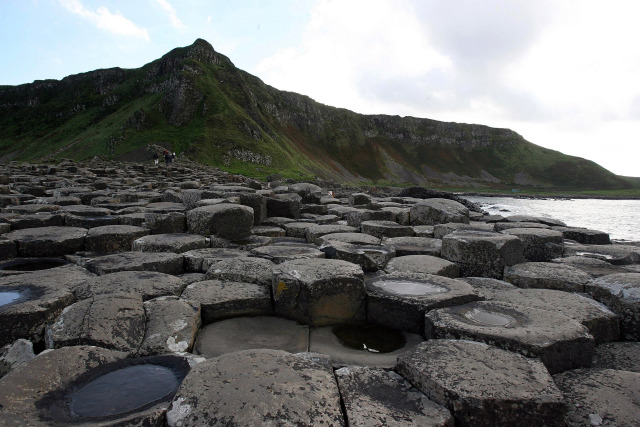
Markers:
(155, 158)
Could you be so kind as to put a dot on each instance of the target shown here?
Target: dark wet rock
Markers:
(481, 253)
(363, 345)
(539, 244)
(201, 259)
(245, 333)
(278, 221)
(282, 253)
(559, 341)
(584, 235)
(284, 205)
(256, 202)
(32, 209)
(614, 254)
(168, 263)
(438, 211)
(113, 238)
(268, 231)
(159, 223)
(166, 207)
(319, 292)
(222, 299)
(250, 270)
(386, 229)
(48, 241)
(283, 388)
(226, 220)
(245, 244)
(115, 321)
(428, 193)
(23, 389)
(621, 356)
(414, 245)
(173, 242)
(425, 264)
(374, 397)
(171, 326)
(353, 238)
(592, 266)
(483, 385)
(8, 249)
(14, 355)
(356, 217)
(600, 397)
(441, 230)
(34, 299)
(359, 199)
(400, 300)
(21, 222)
(84, 210)
(297, 228)
(547, 275)
(621, 293)
(315, 231)
(90, 221)
(149, 284)
(369, 257)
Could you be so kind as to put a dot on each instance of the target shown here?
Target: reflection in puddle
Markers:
(410, 287)
(123, 390)
(374, 339)
(8, 297)
(488, 318)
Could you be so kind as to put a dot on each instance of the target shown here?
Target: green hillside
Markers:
(196, 102)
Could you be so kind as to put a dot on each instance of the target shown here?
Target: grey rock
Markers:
(48, 241)
(319, 292)
(268, 231)
(90, 221)
(8, 249)
(547, 275)
(315, 231)
(438, 211)
(250, 270)
(538, 219)
(423, 230)
(14, 355)
(584, 235)
(600, 397)
(172, 325)
(501, 226)
(539, 244)
(256, 202)
(614, 254)
(113, 238)
(386, 229)
(374, 397)
(282, 389)
(621, 293)
(168, 263)
(356, 217)
(159, 223)
(592, 266)
(282, 253)
(560, 342)
(483, 385)
(414, 245)
(441, 230)
(354, 238)
(297, 228)
(425, 264)
(200, 260)
(488, 288)
(173, 242)
(284, 205)
(226, 220)
(359, 199)
(149, 284)
(369, 257)
(621, 356)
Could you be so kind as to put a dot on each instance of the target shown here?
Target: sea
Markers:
(619, 218)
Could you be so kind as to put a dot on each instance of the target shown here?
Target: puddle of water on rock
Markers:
(34, 265)
(409, 287)
(8, 297)
(488, 318)
(374, 339)
(123, 390)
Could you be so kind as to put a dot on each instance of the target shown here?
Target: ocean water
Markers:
(619, 218)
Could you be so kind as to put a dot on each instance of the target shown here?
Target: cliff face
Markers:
(195, 101)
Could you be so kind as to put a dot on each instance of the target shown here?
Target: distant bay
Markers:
(619, 218)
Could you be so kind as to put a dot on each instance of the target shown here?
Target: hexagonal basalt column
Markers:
(539, 244)
(173, 242)
(483, 385)
(369, 257)
(424, 264)
(559, 341)
(438, 211)
(415, 245)
(48, 241)
(113, 238)
(225, 220)
(400, 300)
(319, 292)
(547, 275)
(621, 293)
(386, 229)
(483, 254)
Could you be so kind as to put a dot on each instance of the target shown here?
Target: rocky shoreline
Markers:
(180, 295)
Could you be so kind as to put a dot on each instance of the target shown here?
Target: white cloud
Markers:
(105, 20)
(171, 14)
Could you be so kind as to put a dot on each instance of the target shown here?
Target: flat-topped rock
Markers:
(171, 326)
(369, 257)
(319, 292)
(165, 262)
(480, 253)
(281, 253)
(560, 342)
(19, 222)
(222, 299)
(84, 210)
(539, 244)
(199, 260)
(621, 356)
(400, 300)
(172, 242)
(386, 229)
(283, 389)
(353, 238)
(284, 205)
(501, 226)
(592, 266)
(225, 220)
(438, 211)
(149, 284)
(415, 245)
(614, 254)
(48, 241)
(584, 235)
(90, 221)
(318, 230)
(249, 270)
(441, 230)
(246, 333)
(355, 217)
(113, 238)
(621, 293)
(424, 264)
(547, 275)
(600, 397)
(531, 218)
(483, 385)
(114, 321)
(361, 389)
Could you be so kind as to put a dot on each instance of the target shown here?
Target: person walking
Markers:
(155, 158)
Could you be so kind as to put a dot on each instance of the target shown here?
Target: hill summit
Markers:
(195, 102)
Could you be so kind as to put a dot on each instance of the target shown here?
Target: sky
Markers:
(565, 74)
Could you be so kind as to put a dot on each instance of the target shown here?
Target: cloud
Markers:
(105, 20)
(171, 14)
